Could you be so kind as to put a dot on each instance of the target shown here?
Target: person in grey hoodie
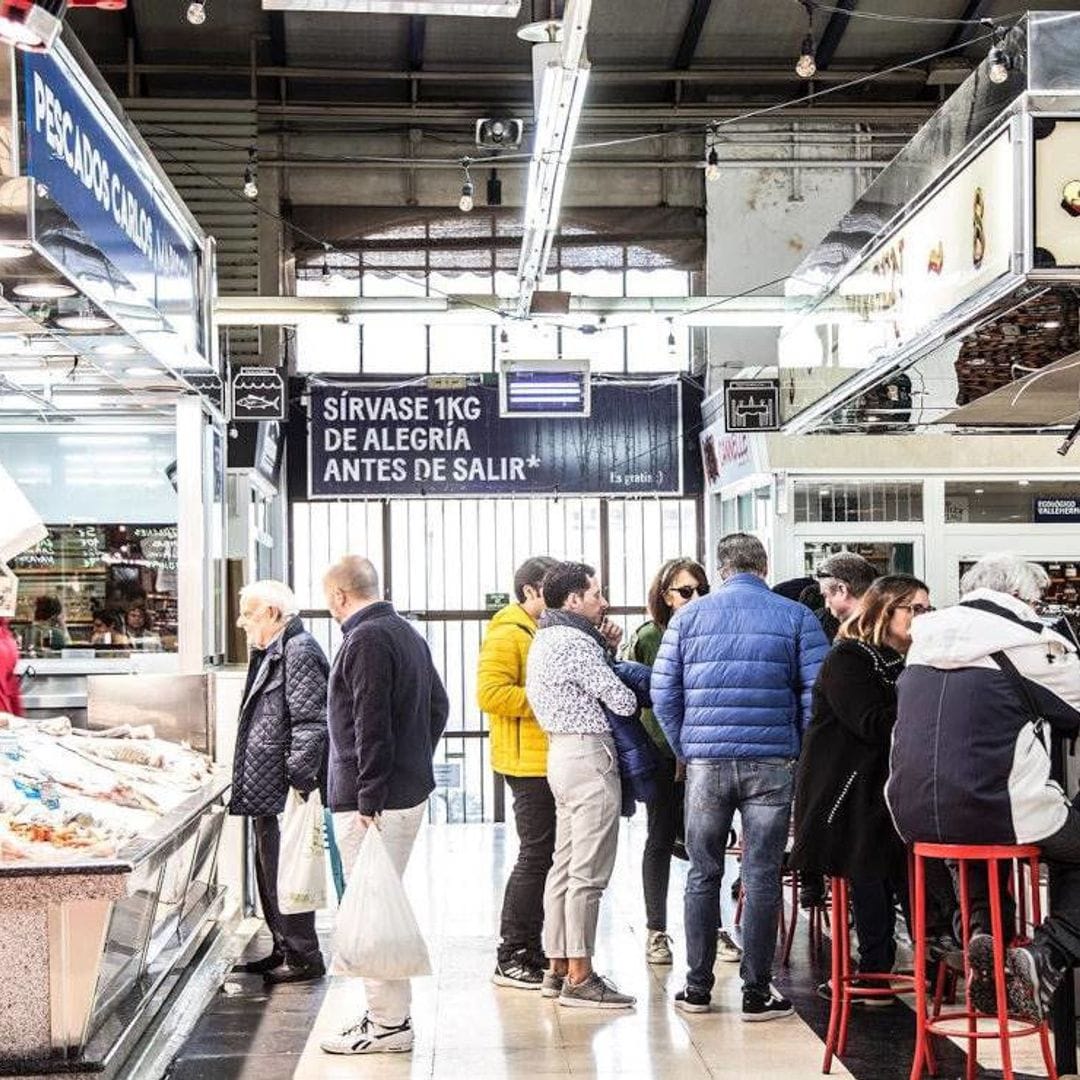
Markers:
(569, 682)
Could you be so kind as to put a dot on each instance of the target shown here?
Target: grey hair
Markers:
(741, 553)
(1006, 573)
(275, 594)
(356, 576)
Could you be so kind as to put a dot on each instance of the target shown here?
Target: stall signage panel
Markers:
(960, 241)
(258, 393)
(417, 441)
(752, 404)
(1064, 509)
(96, 175)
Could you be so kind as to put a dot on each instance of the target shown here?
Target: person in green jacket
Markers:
(678, 582)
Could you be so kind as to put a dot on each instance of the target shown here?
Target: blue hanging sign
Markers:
(96, 174)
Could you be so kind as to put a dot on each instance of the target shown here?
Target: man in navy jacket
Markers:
(731, 689)
(387, 711)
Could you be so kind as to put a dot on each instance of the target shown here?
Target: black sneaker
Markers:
(518, 972)
(757, 1007)
(981, 980)
(692, 1001)
(1032, 978)
(811, 892)
(824, 990)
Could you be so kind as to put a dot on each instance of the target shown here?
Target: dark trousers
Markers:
(1060, 930)
(873, 903)
(663, 822)
(523, 901)
(294, 935)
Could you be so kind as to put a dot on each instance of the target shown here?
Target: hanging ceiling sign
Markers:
(86, 166)
(416, 441)
(258, 393)
(752, 404)
(209, 384)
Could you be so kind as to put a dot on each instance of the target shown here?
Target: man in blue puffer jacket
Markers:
(731, 689)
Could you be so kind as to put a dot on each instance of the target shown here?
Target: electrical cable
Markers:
(328, 247)
(917, 20)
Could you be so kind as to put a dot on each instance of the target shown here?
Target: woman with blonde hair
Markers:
(842, 824)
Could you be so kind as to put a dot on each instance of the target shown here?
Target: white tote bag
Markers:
(377, 934)
(301, 878)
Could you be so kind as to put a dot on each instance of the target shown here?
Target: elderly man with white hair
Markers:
(987, 684)
(281, 742)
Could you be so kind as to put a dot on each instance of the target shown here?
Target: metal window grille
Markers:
(439, 558)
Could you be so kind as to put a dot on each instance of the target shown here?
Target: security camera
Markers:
(499, 132)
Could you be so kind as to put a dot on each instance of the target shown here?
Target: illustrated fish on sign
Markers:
(253, 401)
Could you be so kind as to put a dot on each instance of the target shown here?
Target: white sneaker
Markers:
(367, 1037)
(658, 949)
(726, 949)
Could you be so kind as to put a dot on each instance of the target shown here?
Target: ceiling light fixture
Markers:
(85, 320)
(466, 203)
(196, 12)
(998, 64)
(115, 348)
(251, 184)
(143, 371)
(15, 251)
(806, 65)
(562, 73)
(44, 290)
(712, 162)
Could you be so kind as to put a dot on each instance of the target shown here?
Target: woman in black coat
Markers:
(842, 824)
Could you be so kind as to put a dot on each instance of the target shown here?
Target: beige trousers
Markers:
(583, 772)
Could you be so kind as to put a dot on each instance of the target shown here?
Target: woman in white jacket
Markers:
(987, 685)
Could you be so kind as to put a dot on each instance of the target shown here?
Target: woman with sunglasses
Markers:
(842, 824)
(678, 582)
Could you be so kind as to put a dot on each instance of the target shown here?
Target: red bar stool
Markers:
(1007, 1029)
(844, 992)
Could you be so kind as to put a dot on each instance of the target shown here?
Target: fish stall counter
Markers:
(108, 846)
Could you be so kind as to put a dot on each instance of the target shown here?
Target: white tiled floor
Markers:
(466, 1027)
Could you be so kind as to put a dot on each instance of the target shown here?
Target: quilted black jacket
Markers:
(281, 740)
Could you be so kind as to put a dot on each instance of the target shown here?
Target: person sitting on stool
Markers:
(985, 683)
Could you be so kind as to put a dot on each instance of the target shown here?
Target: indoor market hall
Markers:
(539, 538)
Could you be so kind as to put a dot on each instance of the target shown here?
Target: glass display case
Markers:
(90, 588)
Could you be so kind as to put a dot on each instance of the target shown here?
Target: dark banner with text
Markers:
(370, 441)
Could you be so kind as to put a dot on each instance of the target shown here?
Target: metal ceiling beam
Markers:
(613, 116)
(973, 11)
(279, 50)
(740, 74)
(695, 24)
(417, 38)
(833, 34)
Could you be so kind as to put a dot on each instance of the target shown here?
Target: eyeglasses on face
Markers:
(687, 591)
(915, 609)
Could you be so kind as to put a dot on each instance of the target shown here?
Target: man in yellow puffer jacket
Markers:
(519, 753)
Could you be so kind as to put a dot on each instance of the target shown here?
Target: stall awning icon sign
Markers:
(258, 393)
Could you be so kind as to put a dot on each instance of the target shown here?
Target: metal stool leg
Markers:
(922, 1038)
(972, 1065)
(998, 930)
(789, 936)
(836, 972)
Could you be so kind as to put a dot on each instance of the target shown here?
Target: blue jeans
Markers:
(761, 791)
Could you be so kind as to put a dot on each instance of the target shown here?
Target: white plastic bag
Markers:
(377, 934)
(301, 877)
